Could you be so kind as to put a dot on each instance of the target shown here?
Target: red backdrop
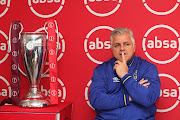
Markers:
(84, 30)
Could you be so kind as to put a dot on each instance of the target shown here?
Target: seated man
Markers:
(126, 87)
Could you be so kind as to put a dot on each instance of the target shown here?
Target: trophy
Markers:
(34, 50)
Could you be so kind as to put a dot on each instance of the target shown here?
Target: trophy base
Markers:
(32, 99)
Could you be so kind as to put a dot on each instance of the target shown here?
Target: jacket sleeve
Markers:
(99, 97)
(140, 94)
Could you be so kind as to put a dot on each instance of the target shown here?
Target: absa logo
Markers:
(103, 10)
(5, 89)
(4, 46)
(97, 44)
(169, 92)
(161, 7)
(4, 6)
(161, 39)
(44, 87)
(87, 94)
(39, 7)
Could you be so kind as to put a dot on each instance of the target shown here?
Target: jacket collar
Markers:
(131, 62)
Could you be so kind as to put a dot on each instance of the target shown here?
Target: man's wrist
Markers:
(122, 75)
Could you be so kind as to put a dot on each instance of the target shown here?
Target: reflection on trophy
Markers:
(33, 48)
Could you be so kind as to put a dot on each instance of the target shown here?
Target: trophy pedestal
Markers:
(61, 111)
(34, 98)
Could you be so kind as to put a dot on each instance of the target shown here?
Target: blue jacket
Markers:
(109, 94)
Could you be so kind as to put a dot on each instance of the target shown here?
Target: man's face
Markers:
(122, 44)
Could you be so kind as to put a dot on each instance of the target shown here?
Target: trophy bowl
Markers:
(33, 51)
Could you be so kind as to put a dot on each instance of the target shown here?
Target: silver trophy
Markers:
(34, 50)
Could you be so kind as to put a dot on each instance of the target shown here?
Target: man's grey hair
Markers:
(122, 30)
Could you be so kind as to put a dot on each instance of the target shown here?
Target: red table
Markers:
(62, 111)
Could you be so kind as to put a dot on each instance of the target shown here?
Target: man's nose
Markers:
(122, 48)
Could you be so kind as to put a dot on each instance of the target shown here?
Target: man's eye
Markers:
(126, 44)
(117, 45)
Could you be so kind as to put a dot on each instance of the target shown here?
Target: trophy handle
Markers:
(46, 30)
(9, 42)
(20, 31)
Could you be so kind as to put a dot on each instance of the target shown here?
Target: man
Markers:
(126, 87)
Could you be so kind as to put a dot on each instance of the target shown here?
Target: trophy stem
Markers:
(34, 89)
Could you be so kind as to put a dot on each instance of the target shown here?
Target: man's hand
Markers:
(144, 83)
(130, 99)
(121, 67)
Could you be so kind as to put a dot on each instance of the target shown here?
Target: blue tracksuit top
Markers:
(109, 94)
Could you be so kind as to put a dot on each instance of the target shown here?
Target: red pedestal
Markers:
(62, 111)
